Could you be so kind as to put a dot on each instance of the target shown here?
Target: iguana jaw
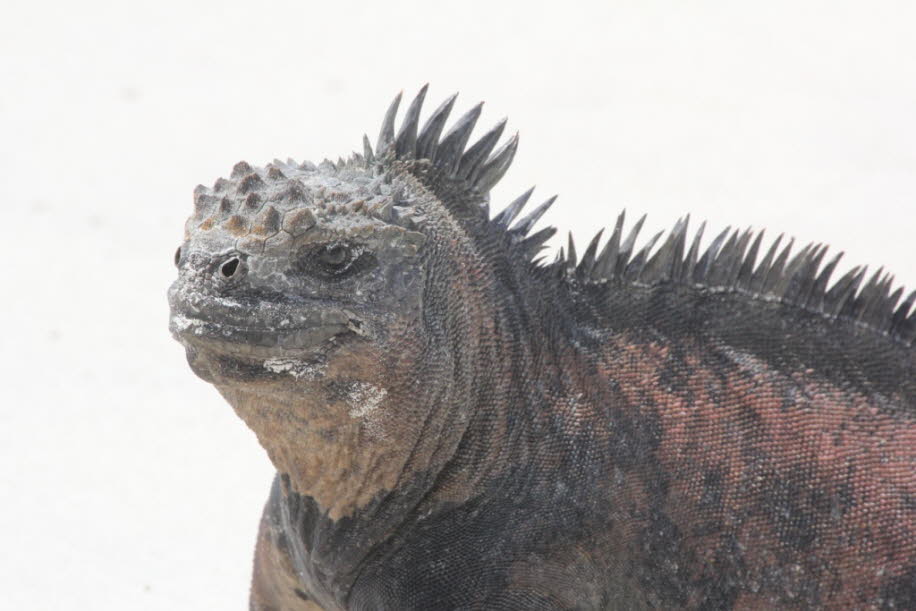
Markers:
(229, 341)
(263, 342)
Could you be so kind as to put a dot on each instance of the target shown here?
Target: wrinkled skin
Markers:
(454, 426)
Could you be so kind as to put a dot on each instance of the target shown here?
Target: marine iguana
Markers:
(459, 423)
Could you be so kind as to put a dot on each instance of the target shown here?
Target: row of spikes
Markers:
(727, 263)
(730, 263)
(475, 164)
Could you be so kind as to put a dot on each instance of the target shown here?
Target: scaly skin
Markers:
(457, 426)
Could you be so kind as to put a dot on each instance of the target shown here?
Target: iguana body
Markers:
(456, 425)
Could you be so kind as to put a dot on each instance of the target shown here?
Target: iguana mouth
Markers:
(259, 330)
(260, 342)
(229, 354)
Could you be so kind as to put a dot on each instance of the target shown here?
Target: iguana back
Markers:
(457, 423)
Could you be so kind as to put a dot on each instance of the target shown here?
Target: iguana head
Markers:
(316, 298)
(283, 265)
(290, 262)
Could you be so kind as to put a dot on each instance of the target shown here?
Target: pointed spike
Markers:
(505, 218)
(775, 271)
(880, 303)
(571, 253)
(242, 168)
(840, 285)
(800, 259)
(852, 303)
(522, 227)
(745, 272)
(676, 267)
(806, 276)
(539, 262)
(665, 263)
(904, 308)
(636, 266)
(608, 257)
(763, 269)
(496, 166)
(448, 155)
(626, 249)
(895, 296)
(588, 257)
(630, 242)
(250, 183)
(701, 270)
(533, 244)
(690, 263)
(720, 269)
(789, 282)
(477, 152)
(838, 293)
(386, 134)
(367, 150)
(889, 308)
(428, 140)
(902, 313)
(267, 221)
(818, 293)
(734, 266)
(867, 296)
(406, 141)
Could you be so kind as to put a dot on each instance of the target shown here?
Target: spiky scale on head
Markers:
(255, 204)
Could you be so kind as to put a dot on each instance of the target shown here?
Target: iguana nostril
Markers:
(229, 268)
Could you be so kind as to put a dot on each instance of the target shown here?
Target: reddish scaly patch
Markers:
(787, 487)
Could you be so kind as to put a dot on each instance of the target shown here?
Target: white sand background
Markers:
(126, 482)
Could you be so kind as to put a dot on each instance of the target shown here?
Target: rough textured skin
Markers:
(457, 425)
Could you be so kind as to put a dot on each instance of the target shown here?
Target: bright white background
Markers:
(127, 483)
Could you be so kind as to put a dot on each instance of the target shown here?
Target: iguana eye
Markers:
(335, 260)
(178, 257)
(334, 256)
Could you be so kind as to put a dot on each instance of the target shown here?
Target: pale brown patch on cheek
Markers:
(322, 448)
(342, 438)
